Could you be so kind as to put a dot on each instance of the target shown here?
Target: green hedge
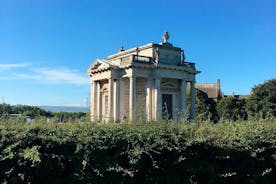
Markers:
(138, 153)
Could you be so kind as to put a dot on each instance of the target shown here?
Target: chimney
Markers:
(218, 89)
(218, 83)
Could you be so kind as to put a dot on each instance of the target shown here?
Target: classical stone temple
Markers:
(148, 82)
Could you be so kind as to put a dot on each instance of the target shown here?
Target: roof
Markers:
(152, 55)
(212, 89)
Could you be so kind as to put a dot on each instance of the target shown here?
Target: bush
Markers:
(232, 109)
(138, 153)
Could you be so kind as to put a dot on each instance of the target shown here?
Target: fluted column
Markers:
(132, 97)
(99, 105)
(110, 99)
(93, 104)
(149, 99)
(158, 99)
(183, 102)
(192, 92)
(117, 101)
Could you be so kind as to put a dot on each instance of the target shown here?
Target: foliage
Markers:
(65, 117)
(138, 153)
(205, 107)
(35, 112)
(231, 108)
(262, 101)
(25, 110)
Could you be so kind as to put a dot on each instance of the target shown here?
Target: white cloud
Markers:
(56, 76)
(27, 76)
(63, 75)
(13, 65)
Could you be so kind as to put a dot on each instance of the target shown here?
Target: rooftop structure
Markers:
(213, 90)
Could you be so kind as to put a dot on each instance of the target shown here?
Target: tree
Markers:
(5, 109)
(262, 101)
(231, 108)
(205, 107)
(22, 109)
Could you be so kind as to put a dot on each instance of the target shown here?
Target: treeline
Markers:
(34, 112)
(25, 110)
(261, 104)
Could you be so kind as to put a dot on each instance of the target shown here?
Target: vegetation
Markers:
(231, 108)
(138, 153)
(261, 104)
(65, 117)
(205, 107)
(262, 101)
(33, 112)
(66, 151)
(26, 110)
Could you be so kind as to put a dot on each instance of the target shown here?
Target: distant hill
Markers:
(64, 108)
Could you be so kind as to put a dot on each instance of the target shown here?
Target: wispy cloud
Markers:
(13, 65)
(63, 75)
(55, 76)
(27, 76)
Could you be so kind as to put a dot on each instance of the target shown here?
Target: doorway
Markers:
(167, 106)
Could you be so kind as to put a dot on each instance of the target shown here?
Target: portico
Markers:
(144, 82)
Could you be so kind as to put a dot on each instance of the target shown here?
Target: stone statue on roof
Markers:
(166, 37)
(121, 49)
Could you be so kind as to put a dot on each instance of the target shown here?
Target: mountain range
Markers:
(64, 108)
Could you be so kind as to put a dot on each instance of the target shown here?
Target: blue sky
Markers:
(46, 46)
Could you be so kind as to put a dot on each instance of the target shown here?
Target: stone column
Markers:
(183, 95)
(192, 93)
(117, 101)
(158, 99)
(132, 97)
(99, 105)
(110, 99)
(149, 99)
(93, 101)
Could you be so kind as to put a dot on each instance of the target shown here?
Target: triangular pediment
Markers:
(100, 64)
(169, 83)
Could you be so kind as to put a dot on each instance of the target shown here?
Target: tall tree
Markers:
(262, 101)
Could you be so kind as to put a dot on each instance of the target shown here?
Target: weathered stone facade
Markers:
(147, 82)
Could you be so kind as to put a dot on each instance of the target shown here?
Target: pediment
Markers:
(169, 83)
(99, 64)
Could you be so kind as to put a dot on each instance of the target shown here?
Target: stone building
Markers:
(212, 90)
(148, 81)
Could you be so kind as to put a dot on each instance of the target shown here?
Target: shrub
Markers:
(138, 153)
